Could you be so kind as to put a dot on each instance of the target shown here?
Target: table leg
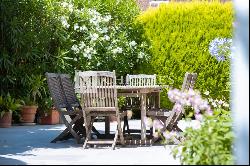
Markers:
(157, 100)
(143, 115)
(107, 125)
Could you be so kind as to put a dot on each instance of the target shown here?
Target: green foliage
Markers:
(33, 41)
(29, 46)
(121, 102)
(209, 145)
(99, 41)
(8, 104)
(180, 34)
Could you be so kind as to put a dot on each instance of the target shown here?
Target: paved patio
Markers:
(21, 145)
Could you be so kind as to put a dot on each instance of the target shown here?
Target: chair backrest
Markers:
(56, 91)
(141, 80)
(189, 81)
(98, 88)
(62, 91)
(69, 92)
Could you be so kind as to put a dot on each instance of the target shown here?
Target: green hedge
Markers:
(180, 34)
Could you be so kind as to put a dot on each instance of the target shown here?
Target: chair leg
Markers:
(69, 126)
(120, 130)
(115, 139)
(60, 136)
(126, 125)
(88, 125)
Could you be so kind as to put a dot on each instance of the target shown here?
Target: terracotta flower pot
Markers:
(52, 118)
(28, 114)
(5, 121)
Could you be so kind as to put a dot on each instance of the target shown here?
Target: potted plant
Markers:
(50, 115)
(7, 106)
(28, 111)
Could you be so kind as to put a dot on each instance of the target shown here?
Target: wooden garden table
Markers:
(141, 92)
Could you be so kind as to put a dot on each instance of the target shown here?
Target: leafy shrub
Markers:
(211, 144)
(206, 140)
(33, 41)
(29, 44)
(180, 34)
(99, 41)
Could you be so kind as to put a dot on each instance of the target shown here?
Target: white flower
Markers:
(107, 18)
(64, 22)
(94, 36)
(117, 50)
(106, 37)
(76, 26)
(220, 102)
(94, 21)
(82, 45)
(206, 93)
(88, 50)
(141, 55)
(70, 6)
(132, 44)
(225, 104)
(104, 30)
(75, 48)
(214, 104)
(64, 4)
(83, 28)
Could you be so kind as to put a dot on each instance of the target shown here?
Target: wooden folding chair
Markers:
(66, 102)
(99, 98)
(170, 118)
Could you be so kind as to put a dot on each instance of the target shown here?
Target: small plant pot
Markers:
(28, 114)
(5, 121)
(51, 119)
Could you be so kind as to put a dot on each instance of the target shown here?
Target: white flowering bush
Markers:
(95, 41)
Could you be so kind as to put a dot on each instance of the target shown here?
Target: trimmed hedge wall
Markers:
(180, 34)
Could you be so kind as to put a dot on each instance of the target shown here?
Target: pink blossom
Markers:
(209, 112)
(167, 135)
(196, 110)
(178, 107)
(191, 92)
(198, 117)
(157, 124)
(149, 121)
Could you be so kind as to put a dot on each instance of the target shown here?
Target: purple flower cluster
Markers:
(189, 98)
(220, 48)
(181, 100)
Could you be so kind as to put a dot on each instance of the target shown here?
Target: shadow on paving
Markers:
(10, 161)
(19, 139)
